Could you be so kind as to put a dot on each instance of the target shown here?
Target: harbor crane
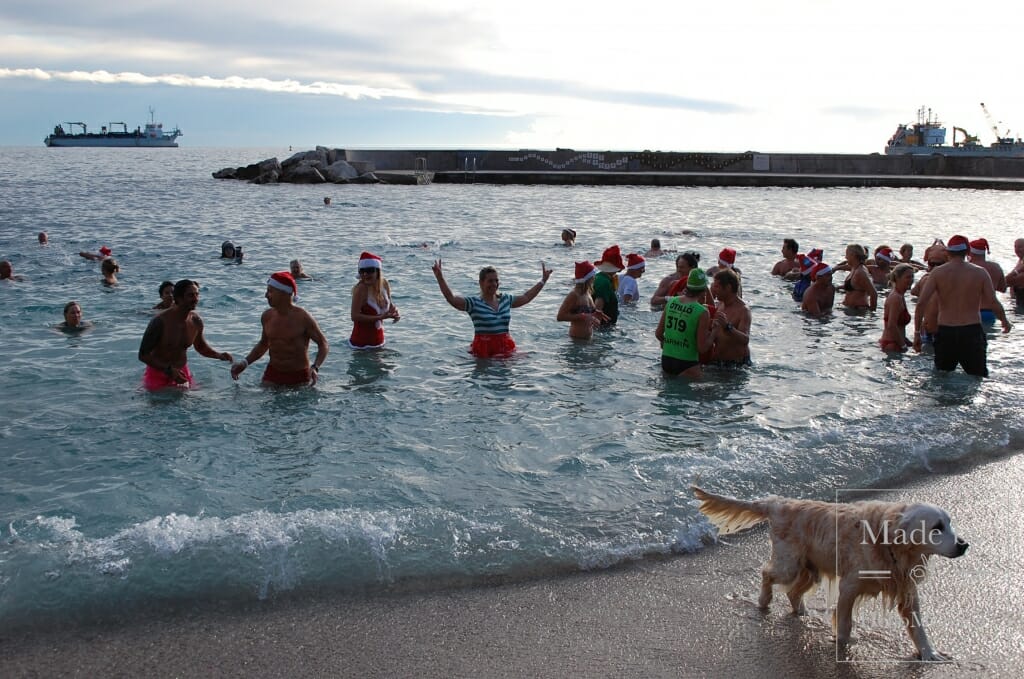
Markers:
(1001, 138)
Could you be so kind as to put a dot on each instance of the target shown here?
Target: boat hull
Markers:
(979, 152)
(109, 142)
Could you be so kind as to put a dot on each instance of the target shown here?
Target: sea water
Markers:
(419, 465)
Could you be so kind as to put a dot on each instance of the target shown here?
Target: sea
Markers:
(418, 466)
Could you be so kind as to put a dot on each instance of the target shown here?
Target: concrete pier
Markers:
(655, 168)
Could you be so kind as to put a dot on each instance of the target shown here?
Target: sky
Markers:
(787, 76)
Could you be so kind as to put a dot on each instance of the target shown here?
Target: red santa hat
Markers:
(820, 269)
(885, 254)
(957, 243)
(611, 260)
(635, 261)
(105, 251)
(979, 246)
(727, 257)
(283, 281)
(368, 260)
(817, 254)
(806, 264)
(584, 272)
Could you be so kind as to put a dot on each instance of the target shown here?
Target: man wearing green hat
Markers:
(685, 329)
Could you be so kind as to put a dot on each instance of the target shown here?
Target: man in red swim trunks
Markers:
(167, 339)
(287, 331)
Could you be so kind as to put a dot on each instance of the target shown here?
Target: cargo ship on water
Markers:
(114, 135)
(928, 136)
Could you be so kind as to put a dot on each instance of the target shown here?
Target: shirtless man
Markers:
(167, 339)
(684, 263)
(1015, 279)
(979, 247)
(962, 290)
(287, 331)
(7, 272)
(820, 297)
(730, 329)
(789, 261)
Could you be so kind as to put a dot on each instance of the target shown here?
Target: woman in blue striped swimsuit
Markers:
(491, 312)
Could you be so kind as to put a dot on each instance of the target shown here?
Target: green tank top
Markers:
(681, 322)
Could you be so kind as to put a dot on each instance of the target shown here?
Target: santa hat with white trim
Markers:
(979, 246)
(283, 281)
(368, 260)
(584, 272)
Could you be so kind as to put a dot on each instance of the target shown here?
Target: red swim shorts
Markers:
(286, 377)
(154, 379)
(491, 346)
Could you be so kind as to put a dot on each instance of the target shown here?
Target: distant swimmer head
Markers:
(568, 236)
(227, 250)
(327, 200)
(43, 238)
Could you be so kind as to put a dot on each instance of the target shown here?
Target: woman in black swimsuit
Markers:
(859, 288)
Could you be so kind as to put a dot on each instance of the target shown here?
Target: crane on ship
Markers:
(1001, 138)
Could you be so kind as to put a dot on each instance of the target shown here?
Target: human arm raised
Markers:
(527, 297)
(455, 300)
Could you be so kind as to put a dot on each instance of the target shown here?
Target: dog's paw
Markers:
(931, 655)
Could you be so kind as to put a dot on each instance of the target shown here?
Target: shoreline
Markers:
(686, 615)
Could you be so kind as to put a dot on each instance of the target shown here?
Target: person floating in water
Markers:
(287, 332)
(491, 312)
(73, 319)
(110, 267)
(295, 266)
(7, 272)
(164, 346)
(568, 237)
(103, 253)
(166, 292)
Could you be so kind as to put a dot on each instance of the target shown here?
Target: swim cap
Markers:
(697, 281)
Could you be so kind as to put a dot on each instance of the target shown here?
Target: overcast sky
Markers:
(725, 75)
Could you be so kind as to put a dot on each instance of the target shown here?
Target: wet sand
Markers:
(685, 616)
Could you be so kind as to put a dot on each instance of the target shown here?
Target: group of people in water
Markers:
(704, 320)
(956, 296)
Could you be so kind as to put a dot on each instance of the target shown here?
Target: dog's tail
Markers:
(730, 515)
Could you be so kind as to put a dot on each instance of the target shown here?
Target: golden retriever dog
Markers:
(870, 548)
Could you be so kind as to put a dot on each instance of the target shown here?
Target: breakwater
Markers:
(657, 168)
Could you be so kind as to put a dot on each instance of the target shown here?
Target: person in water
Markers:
(295, 266)
(491, 311)
(568, 237)
(164, 346)
(109, 267)
(1015, 278)
(7, 272)
(104, 252)
(962, 289)
(371, 304)
(789, 262)
(894, 331)
(43, 238)
(606, 284)
(858, 286)
(684, 264)
(684, 329)
(229, 250)
(730, 326)
(880, 270)
(629, 290)
(820, 297)
(73, 319)
(166, 292)
(978, 251)
(578, 306)
(287, 332)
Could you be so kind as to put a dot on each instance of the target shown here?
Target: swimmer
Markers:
(490, 311)
(110, 269)
(295, 266)
(655, 249)
(371, 304)
(73, 319)
(730, 327)
(7, 272)
(882, 267)
(227, 250)
(606, 283)
(978, 249)
(164, 346)
(1015, 279)
(896, 317)
(103, 253)
(287, 332)
(789, 262)
(43, 238)
(684, 330)
(858, 286)
(578, 306)
(818, 298)
(166, 291)
(327, 201)
(568, 237)
(629, 291)
(684, 264)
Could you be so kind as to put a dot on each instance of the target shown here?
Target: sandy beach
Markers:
(685, 616)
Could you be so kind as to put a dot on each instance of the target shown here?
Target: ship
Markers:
(928, 136)
(114, 135)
